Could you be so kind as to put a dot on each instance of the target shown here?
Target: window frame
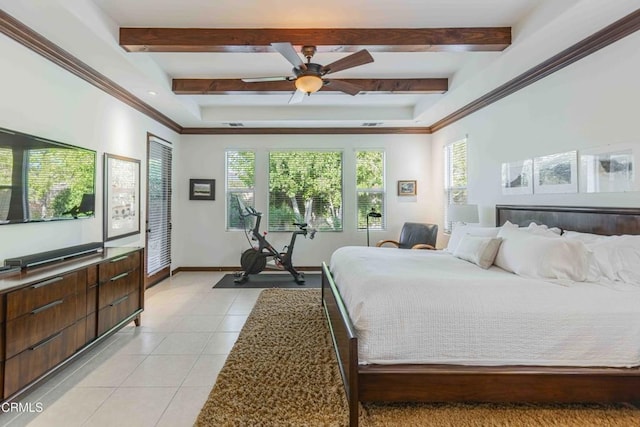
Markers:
(449, 188)
(228, 192)
(305, 150)
(358, 190)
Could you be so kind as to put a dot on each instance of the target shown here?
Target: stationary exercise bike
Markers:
(254, 260)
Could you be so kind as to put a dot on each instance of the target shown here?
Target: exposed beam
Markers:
(326, 39)
(235, 86)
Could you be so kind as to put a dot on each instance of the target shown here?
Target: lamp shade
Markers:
(308, 83)
(463, 213)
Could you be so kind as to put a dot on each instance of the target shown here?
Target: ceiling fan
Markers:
(308, 77)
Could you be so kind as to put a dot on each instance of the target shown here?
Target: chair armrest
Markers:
(382, 242)
(423, 246)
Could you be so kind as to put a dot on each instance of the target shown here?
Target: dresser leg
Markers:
(137, 321)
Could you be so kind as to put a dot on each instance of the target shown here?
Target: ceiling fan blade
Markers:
(286, 49)
(345, 87)
(265, 79)
(359, 58)
(297, 97)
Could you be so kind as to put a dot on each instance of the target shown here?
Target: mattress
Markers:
(418, 306)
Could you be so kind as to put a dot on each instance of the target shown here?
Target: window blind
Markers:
(240, 181)
(370, 188)
(159, 206)
(455, 159)
(305, 186)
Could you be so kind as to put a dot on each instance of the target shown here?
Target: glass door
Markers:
(158, 229)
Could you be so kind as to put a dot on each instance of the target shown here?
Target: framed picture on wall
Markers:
(608, 169)
(407, 188)
(556, 173)
(517, 177)
(202, 189)
(121, 197)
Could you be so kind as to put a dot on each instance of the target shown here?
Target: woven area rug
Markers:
(282, 371)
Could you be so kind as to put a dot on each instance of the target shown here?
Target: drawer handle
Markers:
(45, 342)
(120, 276)
(120, 258)
(47, 306)
(47, 282)
(120, 300)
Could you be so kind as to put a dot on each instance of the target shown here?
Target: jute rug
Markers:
(282, 371)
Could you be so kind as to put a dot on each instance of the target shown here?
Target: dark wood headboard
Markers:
(596, 220)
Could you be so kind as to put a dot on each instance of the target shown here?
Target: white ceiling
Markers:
(88, 29)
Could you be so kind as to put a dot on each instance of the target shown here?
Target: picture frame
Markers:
(202, 189)
(407, 188)
(556, 173)
(517, 177)
(608, 169)
(121, 197)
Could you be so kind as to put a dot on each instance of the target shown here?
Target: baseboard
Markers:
(233, 269)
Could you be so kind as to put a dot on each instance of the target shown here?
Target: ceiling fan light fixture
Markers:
(309, 83)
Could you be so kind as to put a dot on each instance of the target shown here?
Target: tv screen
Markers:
(44, 180)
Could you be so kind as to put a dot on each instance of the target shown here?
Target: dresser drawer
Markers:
(113, 314)
(92, 275)
(40, 323)
(39, 294)
(38, 359)
(92, 299)
(117, 287)
(92, 326)
(119, 265)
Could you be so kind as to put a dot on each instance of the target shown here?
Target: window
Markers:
(305, 186)
(239, 186)
(455, 179)
(6, 171)
(370, 188)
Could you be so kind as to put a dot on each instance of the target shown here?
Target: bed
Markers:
(487, 380)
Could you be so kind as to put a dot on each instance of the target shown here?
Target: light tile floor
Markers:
(158, 374)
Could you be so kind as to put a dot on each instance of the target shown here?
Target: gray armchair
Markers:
(415, 235)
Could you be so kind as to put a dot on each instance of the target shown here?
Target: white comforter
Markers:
(412, 306)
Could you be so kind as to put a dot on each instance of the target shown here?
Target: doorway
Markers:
(158, 221)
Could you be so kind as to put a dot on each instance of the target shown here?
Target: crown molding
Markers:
(24, 35)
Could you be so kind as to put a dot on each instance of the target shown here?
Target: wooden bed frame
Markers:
(499, 384)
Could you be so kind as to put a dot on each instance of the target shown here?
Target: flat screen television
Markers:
(44, 180)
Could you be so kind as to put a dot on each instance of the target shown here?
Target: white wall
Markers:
(200, 238)
(42, 99)
(591, 103)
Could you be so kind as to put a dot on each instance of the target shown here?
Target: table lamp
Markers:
(465, 214)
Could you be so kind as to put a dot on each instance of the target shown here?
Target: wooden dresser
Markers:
(51, 314)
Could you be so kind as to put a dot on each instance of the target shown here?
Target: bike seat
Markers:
(301, 224)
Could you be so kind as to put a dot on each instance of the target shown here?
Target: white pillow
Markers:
(583, 237)
(478, 250)
(542, 257)
(543, 230)
(460, 230)
(617, 258)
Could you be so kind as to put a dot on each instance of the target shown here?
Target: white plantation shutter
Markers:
(159, 206)
(240, 180)
(455, 180)
(370, 188)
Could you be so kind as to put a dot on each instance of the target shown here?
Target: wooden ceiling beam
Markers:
(235, 86)
(326, 39)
